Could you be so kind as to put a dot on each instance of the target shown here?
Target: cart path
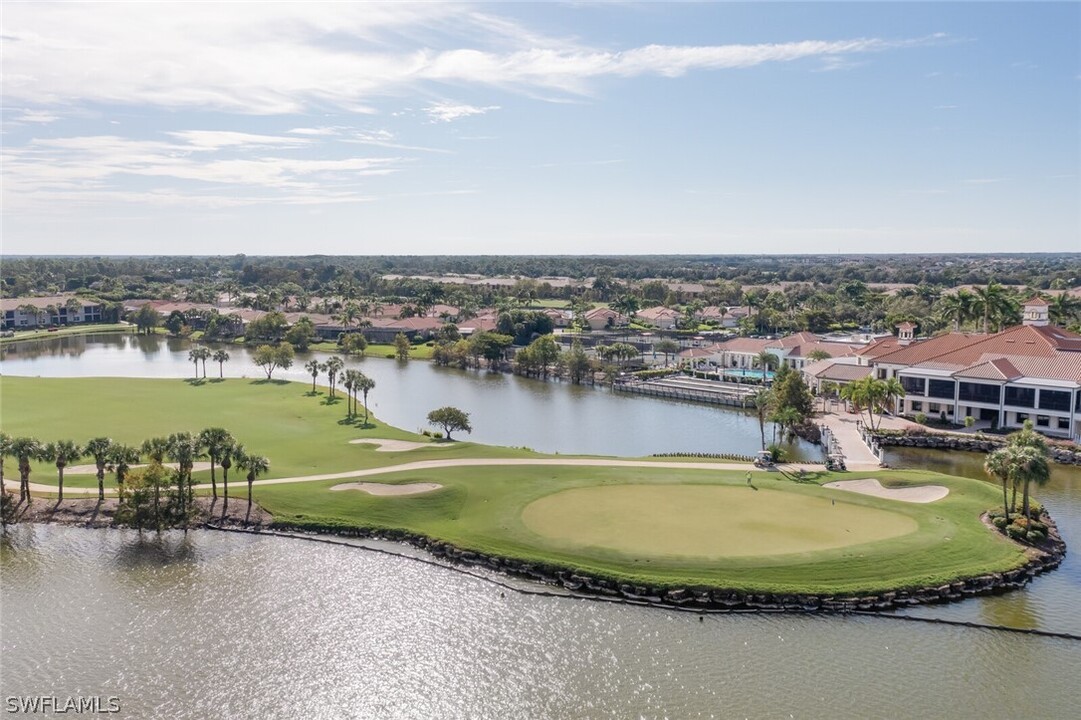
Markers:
(13, 484)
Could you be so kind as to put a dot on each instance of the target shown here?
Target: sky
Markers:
(549, 128)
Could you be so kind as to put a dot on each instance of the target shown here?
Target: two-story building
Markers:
(32, 312)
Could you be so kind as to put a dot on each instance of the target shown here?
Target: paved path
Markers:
(13, 484)
(857, 455)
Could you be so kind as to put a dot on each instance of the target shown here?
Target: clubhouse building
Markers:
(1030, 371)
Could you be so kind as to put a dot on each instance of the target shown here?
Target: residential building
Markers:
(31, 312)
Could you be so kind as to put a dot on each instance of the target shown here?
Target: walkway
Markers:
(13, 484)
(857, 455)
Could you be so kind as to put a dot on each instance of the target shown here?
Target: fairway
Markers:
(706, 522)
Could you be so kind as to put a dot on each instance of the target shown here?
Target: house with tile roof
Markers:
(661, 317)
(603, 318)
(21, 313)
(1030, 371)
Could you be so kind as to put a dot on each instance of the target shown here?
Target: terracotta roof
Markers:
(746, 345)
(43, 302)
(1000, 369)
(1037, 300)
(656, 313)
(840, 372)
(878, 347)
(709, 351)
(906, 326)
(924, 350)
(602, 312)
(800, 338)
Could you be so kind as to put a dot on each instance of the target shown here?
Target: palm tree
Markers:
(668, 347)
(364, 384)
(765, 360)
(762, 400)
(256, 465)
(334, 366)
(999, 464)
(892, 391)
(220, 357)
(183, 450)
(960, 307)
(214, 440)
(228, 450)
(314, 367)
(25, 449)
(5, 450)
(122, 457)
(350, 383)
(197, 354)
(62, 453)
(992, 303)
(156, 448)
(1065, 309)
(100, 448)
(1031, 460)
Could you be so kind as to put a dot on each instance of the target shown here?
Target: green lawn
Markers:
(667, 526)
(70, 330)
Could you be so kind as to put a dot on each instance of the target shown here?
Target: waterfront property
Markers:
(24, 313)
(1030, 371)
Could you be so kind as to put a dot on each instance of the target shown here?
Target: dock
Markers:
(681, 387)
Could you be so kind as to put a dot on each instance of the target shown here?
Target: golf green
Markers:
(706, 522)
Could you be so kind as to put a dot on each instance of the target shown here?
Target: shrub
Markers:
(921, 418)
(1015, 532)
(1035, 536)
(426, 433)
(390, 356)
(1037, 526)
(969, 421)
(999, 522)
(942, 417)
(776, 452)
(437, 435)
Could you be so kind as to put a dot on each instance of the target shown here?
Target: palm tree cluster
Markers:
(183, 449)
(357, 384)
(1023, 461)
(873, 395)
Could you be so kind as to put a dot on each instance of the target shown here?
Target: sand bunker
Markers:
(871, 486)
(396, 445)
(384, 489)
(93, 469)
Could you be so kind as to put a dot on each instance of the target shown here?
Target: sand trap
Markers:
(871, 486)
(396, 445)
(93, 469)
(384, 489)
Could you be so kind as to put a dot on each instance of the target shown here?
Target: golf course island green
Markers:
(648, 529)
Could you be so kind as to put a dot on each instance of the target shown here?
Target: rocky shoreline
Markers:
(968, 443)
(1047, 557)
(1040, 560)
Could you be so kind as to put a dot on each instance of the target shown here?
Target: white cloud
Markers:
(36, 116)
(450, 111)
(275, 58)
(217, 139)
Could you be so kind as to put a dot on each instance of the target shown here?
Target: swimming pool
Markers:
(745, 373)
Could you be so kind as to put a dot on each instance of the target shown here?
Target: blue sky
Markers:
(273, 128)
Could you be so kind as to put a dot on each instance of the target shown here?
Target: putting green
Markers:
(706, 522)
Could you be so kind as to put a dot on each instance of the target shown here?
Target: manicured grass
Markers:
(664, 526)
(488, 510)
(69, 330)
(416, 352)
(660, 520)
(302, 434)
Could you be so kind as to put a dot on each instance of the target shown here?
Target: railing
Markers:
(676, 393)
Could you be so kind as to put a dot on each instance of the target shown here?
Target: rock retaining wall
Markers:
(975, 443)
(1041, 560)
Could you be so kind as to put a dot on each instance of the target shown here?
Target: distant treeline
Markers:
(119, 278)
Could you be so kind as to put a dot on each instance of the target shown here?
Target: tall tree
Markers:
(221, 357)
(214, 439)
(100, 448)
(765, 360)
(229, 450)
(762, 399)
(121, 458)
(5, 452)
(256, 465)
(364, 385)
(334, 366)
(401, 346)
(314, 367)
(25, 450)
(668, 347)
(184, 449)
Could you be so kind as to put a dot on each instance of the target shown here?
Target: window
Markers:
(1042, 421)
(934, 407)
(1054, 400)
(940, 389)
(1021, 397)
(882, 374)
(913, 386)
(917, 406)
(979, 392)
(1064, 423)
(1021, 418)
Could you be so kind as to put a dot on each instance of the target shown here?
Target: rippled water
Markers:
(214, 625)
(547, 416)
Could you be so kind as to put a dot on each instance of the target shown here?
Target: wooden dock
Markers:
(690, 390)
